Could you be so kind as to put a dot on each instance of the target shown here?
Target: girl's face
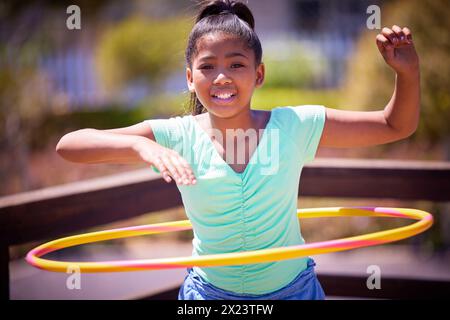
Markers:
(224, 75)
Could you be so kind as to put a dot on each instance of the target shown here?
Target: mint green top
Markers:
(255, 209)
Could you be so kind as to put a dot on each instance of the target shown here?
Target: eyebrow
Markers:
(228, 55)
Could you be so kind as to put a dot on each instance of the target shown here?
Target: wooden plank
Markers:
(57, 211)
(339, 285)
(391, 288)
(4, 272)
(409, 180)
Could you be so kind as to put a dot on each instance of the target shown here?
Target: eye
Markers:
(208, 66)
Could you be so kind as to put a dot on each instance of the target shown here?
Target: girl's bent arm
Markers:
(97, 146)
(132, 144)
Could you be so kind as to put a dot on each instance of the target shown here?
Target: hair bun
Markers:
(217, 7)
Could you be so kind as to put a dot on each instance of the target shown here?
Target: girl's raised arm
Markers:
(400, 117)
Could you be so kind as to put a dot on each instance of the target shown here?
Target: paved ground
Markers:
(30, 283)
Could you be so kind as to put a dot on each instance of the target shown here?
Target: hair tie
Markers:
(226, 11)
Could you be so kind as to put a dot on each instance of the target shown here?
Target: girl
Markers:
(251, 203)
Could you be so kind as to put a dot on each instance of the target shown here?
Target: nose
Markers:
(222, 78)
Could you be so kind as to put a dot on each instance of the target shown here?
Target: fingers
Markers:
(390, 36)
(183, 174)
(383, 43)
(159, 164)
(187, 171)
(395, 37)
(173, 165)
(403, 34)
(408, 34)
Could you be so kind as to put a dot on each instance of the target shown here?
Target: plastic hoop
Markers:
(226, 259)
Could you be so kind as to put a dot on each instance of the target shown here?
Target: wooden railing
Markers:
(61, 210)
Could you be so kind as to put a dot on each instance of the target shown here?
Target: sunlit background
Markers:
(126, 64)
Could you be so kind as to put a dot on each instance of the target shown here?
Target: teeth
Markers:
(223, 96)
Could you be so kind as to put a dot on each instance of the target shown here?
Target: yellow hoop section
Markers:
(226, 259)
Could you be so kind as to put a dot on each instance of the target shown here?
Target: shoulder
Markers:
(169, 123)
(169, 129)
(288, 115)
(200, 118)
(306, 109)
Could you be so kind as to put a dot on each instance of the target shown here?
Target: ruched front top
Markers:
(251, 210)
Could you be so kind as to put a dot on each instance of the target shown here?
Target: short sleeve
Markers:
(168, 133)
(307, 128)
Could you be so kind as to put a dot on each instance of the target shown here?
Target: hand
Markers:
(397, 48)
(167, 161)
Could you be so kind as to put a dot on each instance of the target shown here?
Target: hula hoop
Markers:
(227, 259)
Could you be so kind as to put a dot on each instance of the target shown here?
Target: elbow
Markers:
(62, 148)
(60, 145)
(404, 134)
(412, 129)
(67, 145)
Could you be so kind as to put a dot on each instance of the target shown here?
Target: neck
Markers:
(245, 119)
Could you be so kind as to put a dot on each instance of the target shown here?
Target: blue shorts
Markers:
(305, 286)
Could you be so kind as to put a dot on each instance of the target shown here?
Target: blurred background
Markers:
(126, 64)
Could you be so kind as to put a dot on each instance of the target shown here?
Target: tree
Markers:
(141, 49)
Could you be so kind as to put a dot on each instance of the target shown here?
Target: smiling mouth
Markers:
(223, 96)
(223, 99)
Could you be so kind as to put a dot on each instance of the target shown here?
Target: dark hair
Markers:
(227, 16)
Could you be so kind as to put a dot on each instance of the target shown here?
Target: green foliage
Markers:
(138, 48)
(288, 65)
(164, 106)
(370, 81)
(23, 104)
(55, 125)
